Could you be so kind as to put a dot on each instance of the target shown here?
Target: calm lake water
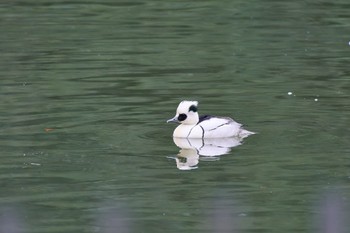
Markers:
(86, 88)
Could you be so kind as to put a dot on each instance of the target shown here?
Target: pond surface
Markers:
(86, 88)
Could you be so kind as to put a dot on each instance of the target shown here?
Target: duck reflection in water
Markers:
(192, 150)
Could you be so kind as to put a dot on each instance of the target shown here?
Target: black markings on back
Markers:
(219, 126)
(203, 118)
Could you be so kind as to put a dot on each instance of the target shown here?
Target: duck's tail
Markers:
(243, 133)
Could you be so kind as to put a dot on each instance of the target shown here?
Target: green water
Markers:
(86, 88)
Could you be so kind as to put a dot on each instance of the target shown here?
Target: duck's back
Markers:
(212, 127)
(219, 127)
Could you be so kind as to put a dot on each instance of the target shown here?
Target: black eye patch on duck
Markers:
(193, 108)
(182, 117)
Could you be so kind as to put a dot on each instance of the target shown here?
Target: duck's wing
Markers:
(210, 123)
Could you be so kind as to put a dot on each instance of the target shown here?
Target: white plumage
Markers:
(194, 126)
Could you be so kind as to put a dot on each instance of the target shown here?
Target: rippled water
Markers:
(86, 88)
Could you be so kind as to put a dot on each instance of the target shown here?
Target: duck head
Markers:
(186, 113)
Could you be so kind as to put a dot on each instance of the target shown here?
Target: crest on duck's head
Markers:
(187, 106)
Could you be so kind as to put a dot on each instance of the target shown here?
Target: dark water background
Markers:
(86, 87)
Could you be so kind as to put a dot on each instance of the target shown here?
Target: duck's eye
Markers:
(182, 117)
(193, 108)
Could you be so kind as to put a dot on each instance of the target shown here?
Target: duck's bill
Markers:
(172, 120)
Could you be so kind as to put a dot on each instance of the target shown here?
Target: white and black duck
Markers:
(194, 126)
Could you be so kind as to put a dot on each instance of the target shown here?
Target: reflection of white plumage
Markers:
(208, 146)
(208, 149)
(194, 126)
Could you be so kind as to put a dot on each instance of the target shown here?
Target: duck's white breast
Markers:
(188, 131)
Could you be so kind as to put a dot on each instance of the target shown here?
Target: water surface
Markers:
(86, 88)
